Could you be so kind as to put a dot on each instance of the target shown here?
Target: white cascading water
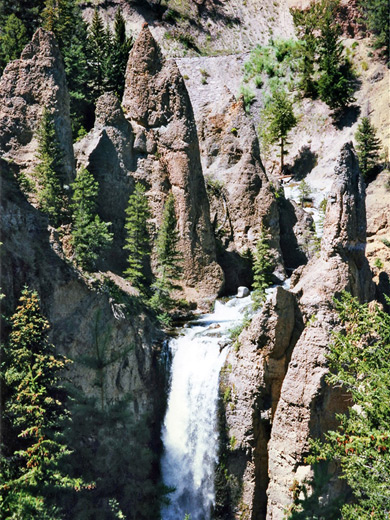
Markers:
(190, 435)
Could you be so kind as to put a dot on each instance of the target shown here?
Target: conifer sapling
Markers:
(90, 235)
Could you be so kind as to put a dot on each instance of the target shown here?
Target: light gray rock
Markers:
(242, 292)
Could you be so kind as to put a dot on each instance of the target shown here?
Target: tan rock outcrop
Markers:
(307, 405)
(255, 376)
(28, 85)
(241, 196)
(279, 371)
(157, 105)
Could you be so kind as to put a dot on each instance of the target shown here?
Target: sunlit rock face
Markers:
(158, 107)
(28, 85)
(279, 371)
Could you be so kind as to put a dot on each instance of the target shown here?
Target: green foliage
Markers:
(334, 84)
(33, 471)
(90, 235)
(13, 38)
(248, 96)
(137, 238)
(368, 146)
(324, 70)
(263, 266)
(278, 119)
(304, 192)
(51, 197)
(376, 16)
(360, 363)
(168, 259)
(306, 23)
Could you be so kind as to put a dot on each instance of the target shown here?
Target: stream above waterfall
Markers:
(190, 433)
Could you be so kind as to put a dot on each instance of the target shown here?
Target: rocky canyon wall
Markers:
(277, 375)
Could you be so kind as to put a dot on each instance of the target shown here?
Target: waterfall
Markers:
(190, 435)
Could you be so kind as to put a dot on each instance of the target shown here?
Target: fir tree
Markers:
(33, 471)
(334, 85)
(368, 146)
(262, 270)
(279, 118)
(99, 49)
(168, 258)
(13, 38)
(137, 237)
(121, 46)
(90, 235)
(50, 196)
(306, 23)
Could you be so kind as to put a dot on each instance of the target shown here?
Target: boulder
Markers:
(242, 292)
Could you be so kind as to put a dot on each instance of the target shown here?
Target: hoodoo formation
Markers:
(195, 260)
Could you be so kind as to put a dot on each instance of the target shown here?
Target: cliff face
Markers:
(154, 141)
(28, 85)
(242, 200)
(281, 397)
(156, 102)
(82, 314)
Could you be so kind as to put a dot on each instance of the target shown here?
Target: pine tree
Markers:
(33, 471)
(121, 46)
(99, 51)
(262, 270)
(137, 238)
(50, 196)
(90, 235)
(168, 258)
(13, 38)
(279, 118)
(368, 146)
(306, 23)
(334, 85)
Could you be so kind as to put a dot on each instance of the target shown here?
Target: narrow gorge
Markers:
(204, 405)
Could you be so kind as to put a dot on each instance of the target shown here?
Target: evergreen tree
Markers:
(168, 258)
(90, 235)
(137, 237)
(32, 473)
(360, 363)
(306, 23)
(51, 196)
(376, 15)
(279, 118)
(64, 18)
(334, 85)
(368, 146)
(13, 38)
(262, 270)
(99, 49)
(121, 46)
